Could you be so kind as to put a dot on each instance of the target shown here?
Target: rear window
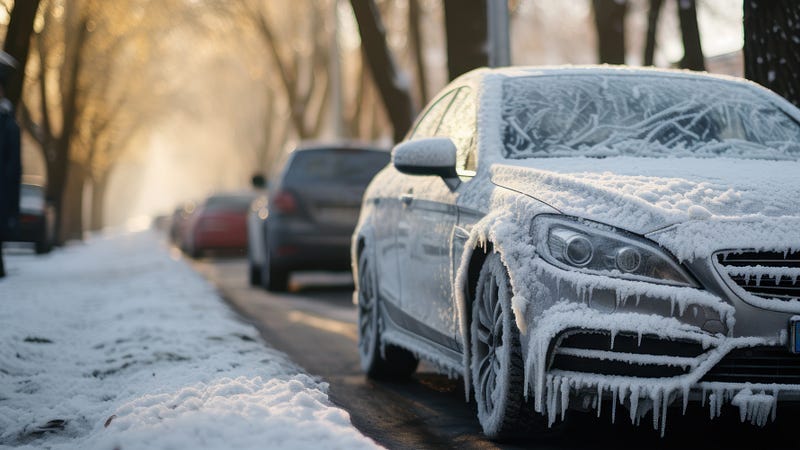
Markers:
(239, 203)
(349, 166)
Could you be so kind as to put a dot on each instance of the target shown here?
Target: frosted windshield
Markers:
(649, 116)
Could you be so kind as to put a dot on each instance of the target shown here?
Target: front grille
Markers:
(652, 357)
(757, 365)
(769, 275)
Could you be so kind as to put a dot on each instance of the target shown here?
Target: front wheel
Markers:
(395, 362)
(498, 374)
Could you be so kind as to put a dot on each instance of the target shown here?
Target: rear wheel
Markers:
(395, 362)
(255, 273)
(272, 278)
(498, 375)
(43, 245)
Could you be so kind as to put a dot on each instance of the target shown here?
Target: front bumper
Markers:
(649, 347)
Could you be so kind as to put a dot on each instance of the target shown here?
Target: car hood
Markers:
(648, 194)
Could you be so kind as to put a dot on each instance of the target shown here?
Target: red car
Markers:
(219, 223)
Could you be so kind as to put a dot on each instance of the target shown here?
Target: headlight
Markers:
(603, 250)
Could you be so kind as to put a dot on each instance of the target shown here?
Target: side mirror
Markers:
(428, 156)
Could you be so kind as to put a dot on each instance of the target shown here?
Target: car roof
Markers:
(333, 145)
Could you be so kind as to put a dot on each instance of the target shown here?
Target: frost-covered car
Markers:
(563, 238)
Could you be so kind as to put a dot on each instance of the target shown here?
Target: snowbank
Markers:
(116, 344)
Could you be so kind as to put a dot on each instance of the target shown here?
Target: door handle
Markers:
(406, 199)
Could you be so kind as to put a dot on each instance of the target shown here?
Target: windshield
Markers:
(346, 166)
(652, 116)
(237, 203)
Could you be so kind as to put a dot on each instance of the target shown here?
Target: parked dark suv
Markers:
(312, 210)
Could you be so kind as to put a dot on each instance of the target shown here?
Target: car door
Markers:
(429, 220)
(391, 230)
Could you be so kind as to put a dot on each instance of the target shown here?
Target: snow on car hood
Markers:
(648, 194)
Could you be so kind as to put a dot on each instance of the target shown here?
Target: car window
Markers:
(602, 115)
(348, 166)
(238, 203)
(431, 118)
(459, 125)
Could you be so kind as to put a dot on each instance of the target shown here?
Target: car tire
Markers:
(255, 274)
(395, 362)
(272, 278)
(42, 246)
(498, 373)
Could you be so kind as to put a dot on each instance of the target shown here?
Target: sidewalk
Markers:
(115, 344)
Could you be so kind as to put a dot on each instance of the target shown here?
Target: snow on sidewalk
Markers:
(113, 344)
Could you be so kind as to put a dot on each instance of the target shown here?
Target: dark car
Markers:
(36, 219)
(312, 209)
(219, 223)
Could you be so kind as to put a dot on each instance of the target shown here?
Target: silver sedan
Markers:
(579, 238)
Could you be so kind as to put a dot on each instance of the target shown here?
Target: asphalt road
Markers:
(315, 324)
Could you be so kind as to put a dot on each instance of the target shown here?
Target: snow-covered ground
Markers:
(117, 343)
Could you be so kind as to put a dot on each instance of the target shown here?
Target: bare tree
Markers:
(690, 34)
(415, 35)
(391, 81)
(17, 44)
(771, 49)
(653, 14)
(609, 18)
(303, 75)
(467, 35)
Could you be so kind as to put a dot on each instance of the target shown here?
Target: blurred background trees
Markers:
(132, 106)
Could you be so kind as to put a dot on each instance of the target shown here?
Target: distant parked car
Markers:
(219, 223)
(566, 238)
(311, 211)
(36, 219)
(179, 222)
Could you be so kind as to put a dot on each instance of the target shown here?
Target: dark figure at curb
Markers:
(10, 162)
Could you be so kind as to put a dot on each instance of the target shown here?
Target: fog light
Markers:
(578, 251)
(628, 259)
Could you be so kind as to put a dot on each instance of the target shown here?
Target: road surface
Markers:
(315, 324)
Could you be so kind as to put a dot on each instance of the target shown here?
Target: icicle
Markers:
(703, 399)
(665, 404)
(552, 386)
(564, 399)
(613, 335)
(614, 392)
(634, 404)
(639, 333)
(638, 298)
(686, 389)
(672, 306)
(775, 403)
(656, 398)
(599, 398)
(758, 279)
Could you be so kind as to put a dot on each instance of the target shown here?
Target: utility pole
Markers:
(336, 77)
(499, 42)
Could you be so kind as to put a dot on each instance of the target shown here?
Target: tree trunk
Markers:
(391, 82)
(97, 218)
(652, 27)
(18, 42)
(690, 33)
(415, 34)
(72, 223)
(772, 46)
(609, 16)
(467, 35)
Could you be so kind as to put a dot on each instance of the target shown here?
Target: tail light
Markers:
(284, 203)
